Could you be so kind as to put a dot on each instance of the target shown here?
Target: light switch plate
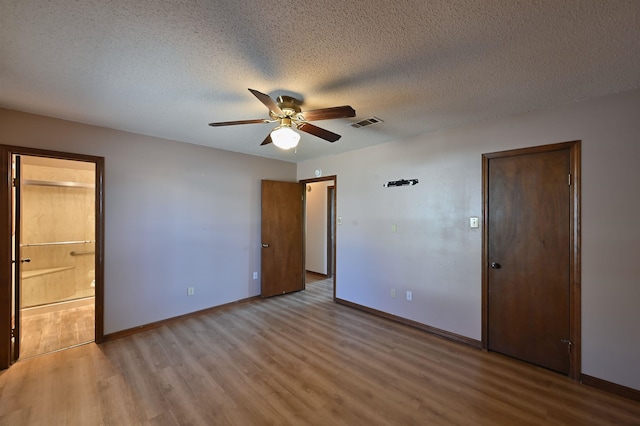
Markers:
(474, 222)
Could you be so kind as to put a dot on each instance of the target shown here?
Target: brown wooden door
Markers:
(282, 238)
(17, 261)
(529, 242)
(331, 230)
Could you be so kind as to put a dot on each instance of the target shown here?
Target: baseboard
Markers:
(431, 330)
(150, 326)
(614, 388)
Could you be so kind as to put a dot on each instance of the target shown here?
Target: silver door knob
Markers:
(25, 260)
(496, 265)
(265, 245)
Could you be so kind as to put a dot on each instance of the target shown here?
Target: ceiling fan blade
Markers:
(319, 132)
(267, 140)
(233, 123)
(268, 102)
(329, 113)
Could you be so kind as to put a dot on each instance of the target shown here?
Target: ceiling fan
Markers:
(287, 113)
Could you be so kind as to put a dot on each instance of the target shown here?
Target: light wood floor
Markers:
(54, 327)
(294, 360)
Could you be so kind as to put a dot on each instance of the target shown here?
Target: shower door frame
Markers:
(6, 256)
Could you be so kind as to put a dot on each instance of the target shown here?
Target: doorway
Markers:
(52, 263)
(57, 252)
(320, 200)
(531, 252)
(283, 223)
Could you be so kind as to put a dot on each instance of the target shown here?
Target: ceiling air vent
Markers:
(367, 122)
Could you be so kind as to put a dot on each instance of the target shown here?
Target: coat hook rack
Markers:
(401, 182)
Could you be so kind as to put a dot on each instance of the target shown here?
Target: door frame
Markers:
(575, 245)
(334, 178)
(6, 153)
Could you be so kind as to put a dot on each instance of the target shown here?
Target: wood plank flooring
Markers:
(298, 359)
(51, 328)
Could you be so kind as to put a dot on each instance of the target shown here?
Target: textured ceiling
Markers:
(167, 68)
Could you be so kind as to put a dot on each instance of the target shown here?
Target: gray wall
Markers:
(436, 255)
(177, 216)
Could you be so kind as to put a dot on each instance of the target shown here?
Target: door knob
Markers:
(265, 245)
(496, 265)
(25, 260)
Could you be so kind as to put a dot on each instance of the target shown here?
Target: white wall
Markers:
(316, 227)
(177, 216)
(435, 254)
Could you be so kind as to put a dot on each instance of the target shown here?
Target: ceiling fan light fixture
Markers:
(284, 137)
(286, 111)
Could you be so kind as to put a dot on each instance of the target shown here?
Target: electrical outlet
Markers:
(409, 296)
(190, 291)
(255, 275)
(393, 292)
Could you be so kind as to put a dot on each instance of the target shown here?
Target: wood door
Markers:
(282, 238)
(331, 231)
(528, 252)
(17, 261)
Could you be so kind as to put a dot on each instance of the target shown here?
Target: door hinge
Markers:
(13, 182)
(13, 333)
(569, 179)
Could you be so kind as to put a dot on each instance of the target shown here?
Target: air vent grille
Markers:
(367, 122)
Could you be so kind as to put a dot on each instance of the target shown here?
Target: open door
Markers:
(331, 229)
(17, 263)
(282, 238)
(11, 259)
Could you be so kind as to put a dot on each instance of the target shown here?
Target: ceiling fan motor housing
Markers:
(289, 102)
(290, 107)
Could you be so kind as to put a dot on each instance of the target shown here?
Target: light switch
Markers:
(394, 228)
(339, 220)
(474, 222)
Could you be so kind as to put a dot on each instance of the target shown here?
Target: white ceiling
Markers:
(167, 68)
